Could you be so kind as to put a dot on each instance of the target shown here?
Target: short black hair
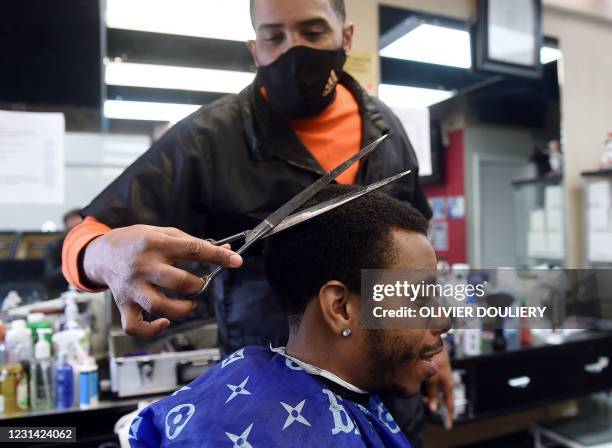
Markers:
(336, 246)
(337, 5)
(71, 213)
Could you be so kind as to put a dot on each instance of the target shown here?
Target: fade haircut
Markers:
(336, 246)
(337, 5)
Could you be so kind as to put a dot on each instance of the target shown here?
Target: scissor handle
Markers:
(209, 278)
(229, 239)
(254, 235)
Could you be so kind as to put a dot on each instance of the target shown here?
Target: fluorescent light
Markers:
(140, 110)
(213, 19)
(549, 54)
(432, 44)
(443, 46)
(411, 97)
(181, 78)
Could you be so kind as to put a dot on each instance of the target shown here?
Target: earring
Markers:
(346, 332)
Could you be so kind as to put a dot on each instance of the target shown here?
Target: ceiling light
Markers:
(181, 78)
(406, 97)
(434, 45)
(228, 20)
(441, 45)
(140, 110)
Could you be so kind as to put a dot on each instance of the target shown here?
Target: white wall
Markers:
(586, 106)
(92, 162)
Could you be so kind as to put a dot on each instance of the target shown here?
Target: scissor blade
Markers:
(326, 206)
(297, 201)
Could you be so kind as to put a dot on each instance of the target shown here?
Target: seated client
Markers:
(320, 390)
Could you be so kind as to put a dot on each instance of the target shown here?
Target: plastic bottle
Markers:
(467, 338)
(73, 321)
(64, 382)
(3, 373)
(443, 270)
(41, 384)
(459, 394)
(94, 384)
(18, 342)
(88, 383)
(10, 377)
(512, 333)
(2, 344)
(36, 321)
(526, 337)
(68, 346)
(2, 361)
(72, 311)
(23, 389)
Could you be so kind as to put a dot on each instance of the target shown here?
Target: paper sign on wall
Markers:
(439, 235)
(417, 126)
(31, 157)
(361, 67)
(456, 207)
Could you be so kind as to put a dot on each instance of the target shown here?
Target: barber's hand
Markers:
(441, 381)
(134, 261)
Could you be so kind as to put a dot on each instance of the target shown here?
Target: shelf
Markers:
(553, 179)
(607, 172)
(125, 404)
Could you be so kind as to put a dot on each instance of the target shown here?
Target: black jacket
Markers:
(225, 168)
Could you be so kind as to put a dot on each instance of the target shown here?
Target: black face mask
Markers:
(302, 81)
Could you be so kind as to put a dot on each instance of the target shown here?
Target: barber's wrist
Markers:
(90, 270)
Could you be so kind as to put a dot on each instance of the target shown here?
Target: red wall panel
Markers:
(453, 186)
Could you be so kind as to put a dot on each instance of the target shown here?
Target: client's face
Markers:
(401, 360)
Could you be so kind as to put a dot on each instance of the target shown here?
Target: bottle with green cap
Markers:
(36, 321)
(41, 384)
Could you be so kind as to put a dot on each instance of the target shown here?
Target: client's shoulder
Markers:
(253, 387)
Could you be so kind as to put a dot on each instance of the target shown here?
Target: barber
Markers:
(230, 164)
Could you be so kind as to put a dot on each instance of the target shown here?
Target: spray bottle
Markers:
(72, 320)
(71, 355)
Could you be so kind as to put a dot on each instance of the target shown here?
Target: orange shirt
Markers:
(331, 137)
(334, 135)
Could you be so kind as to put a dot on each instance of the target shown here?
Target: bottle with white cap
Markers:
(88, 383)
(41, 384)
(18, 342)
(73, 320)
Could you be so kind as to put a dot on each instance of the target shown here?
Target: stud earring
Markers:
(346, 332)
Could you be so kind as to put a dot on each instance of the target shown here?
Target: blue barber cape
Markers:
(257, 398)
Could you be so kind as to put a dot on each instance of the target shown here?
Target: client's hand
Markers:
(441, 381)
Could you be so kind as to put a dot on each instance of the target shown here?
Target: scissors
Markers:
(282, 218)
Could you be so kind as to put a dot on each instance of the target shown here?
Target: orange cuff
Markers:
(75, 242)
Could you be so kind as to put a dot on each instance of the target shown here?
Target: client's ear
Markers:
(338, 310)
